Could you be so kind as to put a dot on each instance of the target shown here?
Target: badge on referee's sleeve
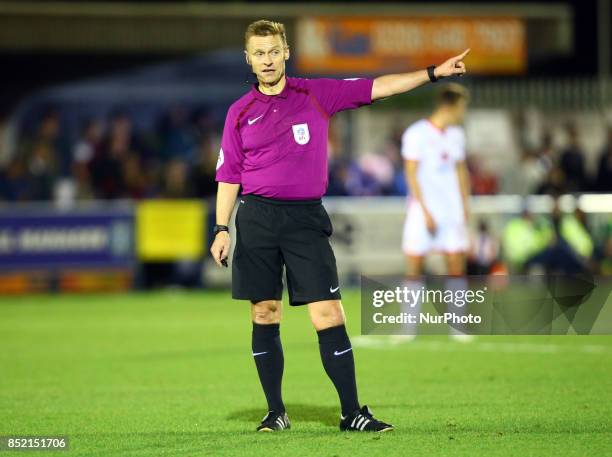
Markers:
(301, 135)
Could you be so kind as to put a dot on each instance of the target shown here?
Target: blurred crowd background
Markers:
(111, 159)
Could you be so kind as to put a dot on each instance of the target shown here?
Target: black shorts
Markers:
(276, 233)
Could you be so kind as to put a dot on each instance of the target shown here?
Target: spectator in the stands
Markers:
(43, 170)
(381, 170)
(603, 181)
(392, 149)
(175, 183)
(523, 237)
(44, 156)
(530, 174)
(533, 167)
(572, 162)
(14, 181)
(202, 176)
(203, 123)
(360, 183)
(346, 178)
(83, 153)
(337, 179)
(555, 183)
(482, 181)
(177, 135)
(484, 250)
(135, 179)
(88, 143)
(546, 153)
(107, 167)
(570, 245)
(47, 132)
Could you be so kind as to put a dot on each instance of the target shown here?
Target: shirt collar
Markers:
(266, 98)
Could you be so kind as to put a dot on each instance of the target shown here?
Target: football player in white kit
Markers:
(438, 205)
(439, 189)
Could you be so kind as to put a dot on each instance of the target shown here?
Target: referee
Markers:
(274, 145)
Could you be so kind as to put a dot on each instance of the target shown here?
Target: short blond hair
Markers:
(264, 27)
(451, 93)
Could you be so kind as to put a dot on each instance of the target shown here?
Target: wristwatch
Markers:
(431, 74)
(220, 228)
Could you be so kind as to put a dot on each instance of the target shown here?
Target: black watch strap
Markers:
(220, 228)
(431, 74)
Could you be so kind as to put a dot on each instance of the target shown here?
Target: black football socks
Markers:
(268, 355)
(337, 356)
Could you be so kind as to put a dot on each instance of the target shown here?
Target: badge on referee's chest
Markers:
(301, 135)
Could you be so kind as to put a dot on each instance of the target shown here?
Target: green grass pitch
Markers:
(171, 374)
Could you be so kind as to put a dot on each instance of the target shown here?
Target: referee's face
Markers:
(266, 55)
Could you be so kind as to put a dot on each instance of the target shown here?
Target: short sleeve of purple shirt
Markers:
(341, 94)
(231, 155)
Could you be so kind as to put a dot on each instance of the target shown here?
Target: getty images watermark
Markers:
(486, 305)
(411, 298)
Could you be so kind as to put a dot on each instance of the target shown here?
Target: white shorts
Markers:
(450, 237)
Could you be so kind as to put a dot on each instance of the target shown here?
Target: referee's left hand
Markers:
(220, 247)
(453, 66)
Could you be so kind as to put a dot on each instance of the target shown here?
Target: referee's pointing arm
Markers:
(388, 85)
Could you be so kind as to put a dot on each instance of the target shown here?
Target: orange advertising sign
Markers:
(345, 45)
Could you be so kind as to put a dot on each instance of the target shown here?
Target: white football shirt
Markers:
(437, 152)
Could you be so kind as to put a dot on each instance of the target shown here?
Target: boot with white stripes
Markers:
(274, 422)
(363, 421)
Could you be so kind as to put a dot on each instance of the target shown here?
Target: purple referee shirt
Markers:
(276, 145)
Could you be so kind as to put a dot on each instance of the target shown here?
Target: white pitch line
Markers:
(388, 343)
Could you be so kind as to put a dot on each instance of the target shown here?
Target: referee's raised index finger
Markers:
(465, 53)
